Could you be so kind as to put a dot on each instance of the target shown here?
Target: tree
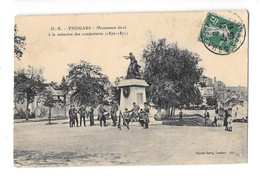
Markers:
(19, 44)
(87, 84)
(116, 90)
(27, 84)
(49, 102)
(211, 101)
(197, 98)
(172, 74)
(65, 89)
(54, 84)
(64, 85)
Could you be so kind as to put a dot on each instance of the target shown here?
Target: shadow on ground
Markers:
(187, 121)
(51, 123)
(56, 118)
(32, 158)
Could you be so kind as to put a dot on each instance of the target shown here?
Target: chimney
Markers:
(215, 80)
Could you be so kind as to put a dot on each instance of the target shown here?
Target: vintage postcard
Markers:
(166, 88)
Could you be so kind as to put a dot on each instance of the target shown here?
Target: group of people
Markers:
(73, 116)
(135, 114)
(227, 119)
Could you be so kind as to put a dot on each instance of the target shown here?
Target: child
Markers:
(229, 125)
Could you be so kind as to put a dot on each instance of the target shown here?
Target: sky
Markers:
(54, 53)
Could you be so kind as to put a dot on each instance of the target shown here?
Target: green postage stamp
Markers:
(220, 35)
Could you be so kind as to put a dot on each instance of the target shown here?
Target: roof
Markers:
(220, 82)
(236, 89)
(230, 98)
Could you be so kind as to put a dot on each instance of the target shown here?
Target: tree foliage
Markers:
(19, 44)
(49, 102)
(87, 84)
(171, 73)
(196, 98)
(64, 85)
(212, 101)
(27, 84)
(65, 89)
(116, 90)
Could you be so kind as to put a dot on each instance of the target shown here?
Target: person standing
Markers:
(215, 121)
(82, 113)
(229, 123)
(147, 111)
(114, 110)
(180, 117)
(71, 116)
(119, 120)
(75, 114)
(91, 116)
(225, 120)
(100, 113)
(206, 116)
(101, 116)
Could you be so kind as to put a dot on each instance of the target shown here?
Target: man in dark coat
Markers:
(71, 116)
(215, 122)
(206, 116)
(82, 113)
(75, 115)
(180, 117)
(114, 109)
(225, 119)
(91, 116)
(147, 111)
(101, 115)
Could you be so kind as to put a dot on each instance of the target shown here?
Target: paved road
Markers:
(38, 144)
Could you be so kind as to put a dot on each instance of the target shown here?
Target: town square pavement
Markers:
(39, 144)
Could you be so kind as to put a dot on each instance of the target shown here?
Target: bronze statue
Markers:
(133, 71)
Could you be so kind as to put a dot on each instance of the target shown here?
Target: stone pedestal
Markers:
(132, 90)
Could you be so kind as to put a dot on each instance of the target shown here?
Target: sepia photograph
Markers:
(131, 89)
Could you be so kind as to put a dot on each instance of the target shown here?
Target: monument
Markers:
(133, 87)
